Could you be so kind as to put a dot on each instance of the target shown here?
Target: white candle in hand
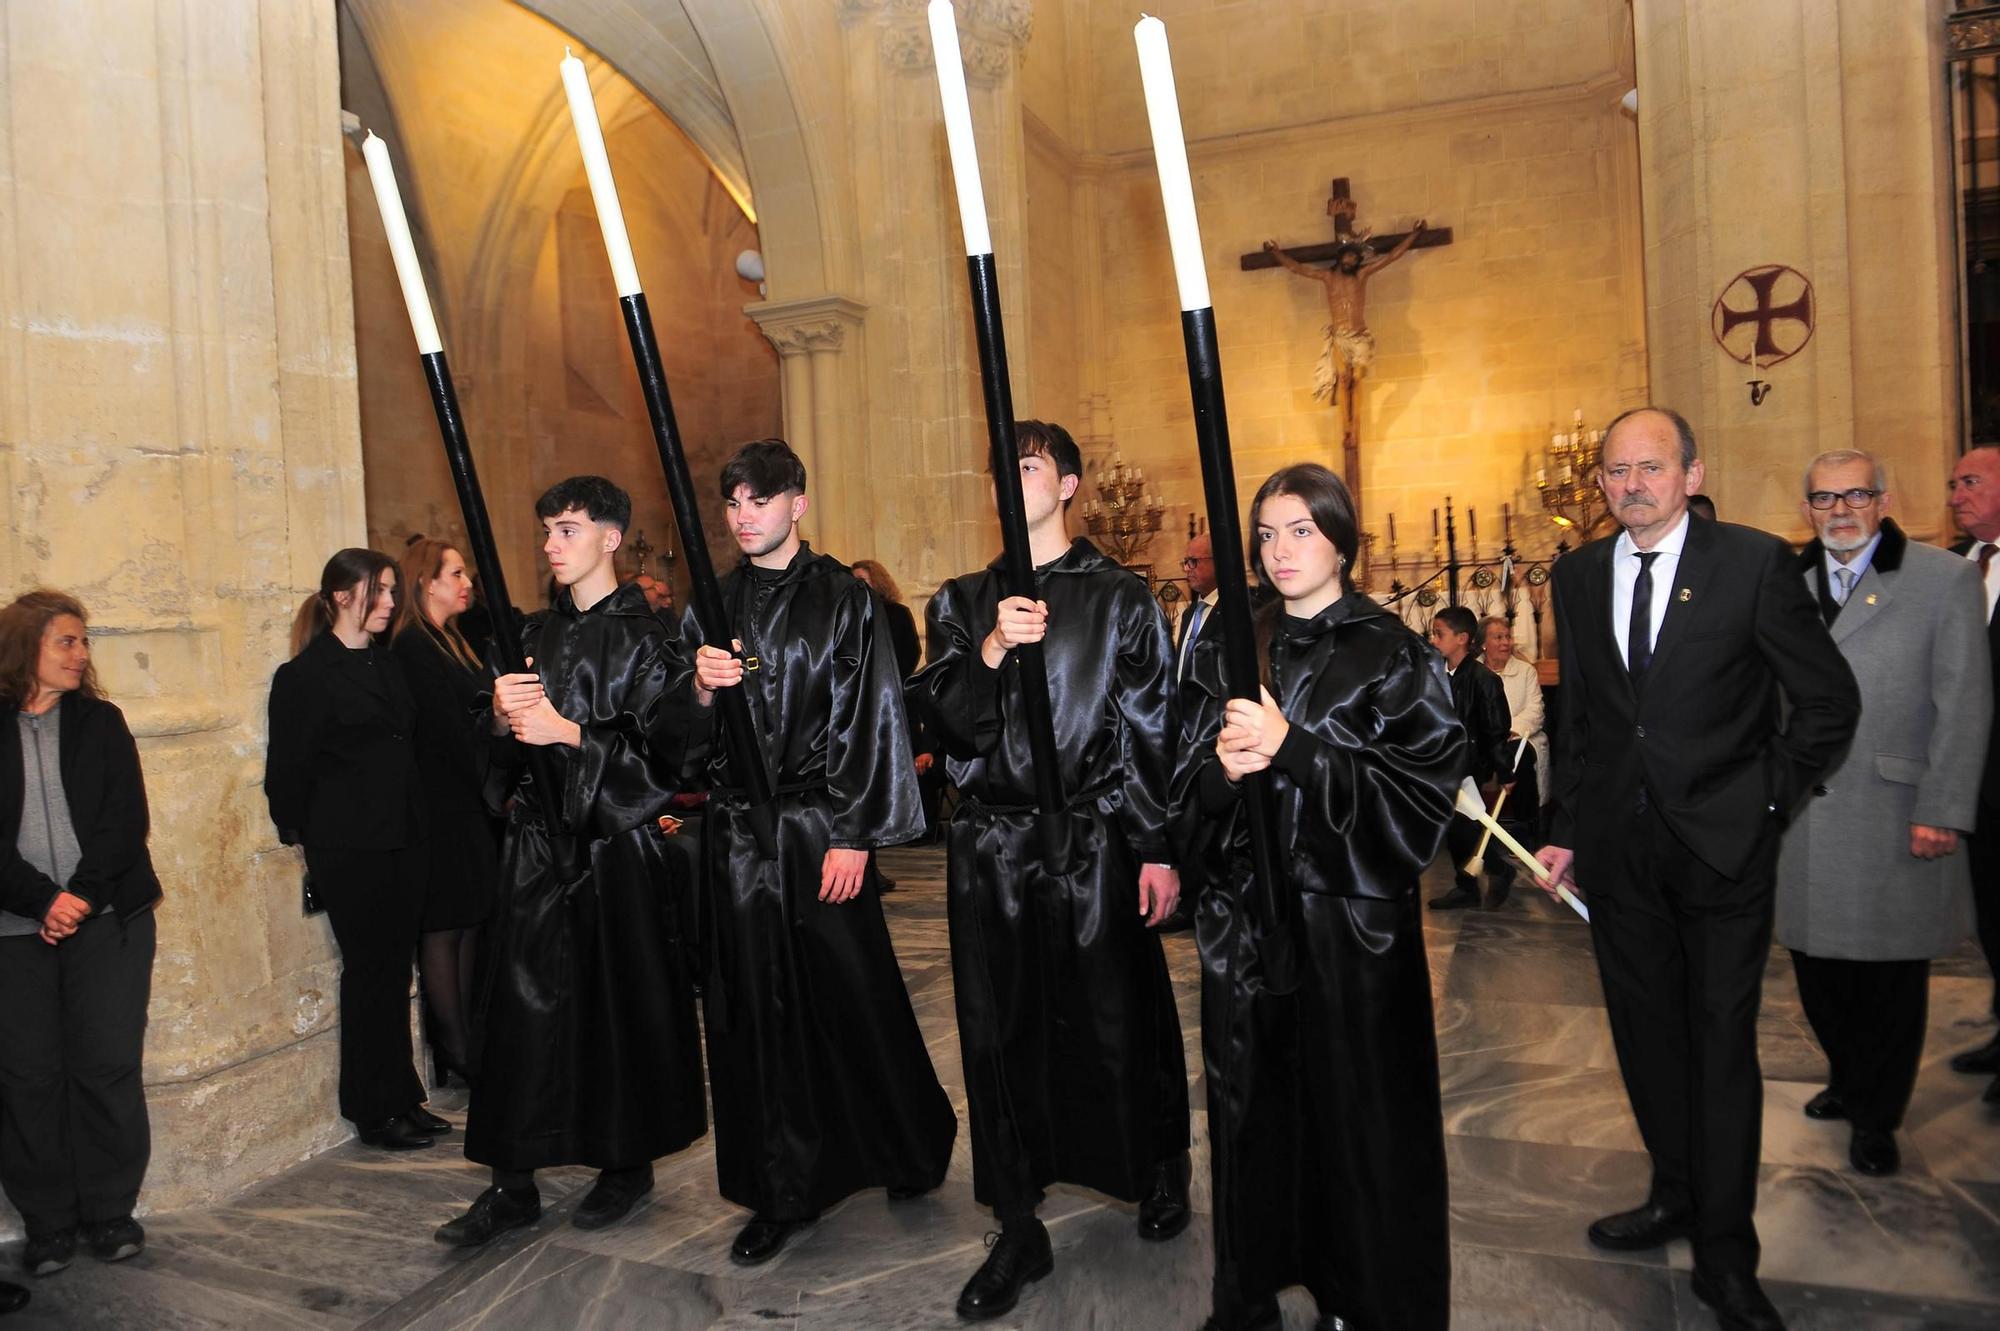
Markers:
(389, 200)
(958, 128)
(1163, 109)
(597, 168)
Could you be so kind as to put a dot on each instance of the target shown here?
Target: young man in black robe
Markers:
(1074, 1068)
(1480, 700)
(588, 1047)
(821, 1081)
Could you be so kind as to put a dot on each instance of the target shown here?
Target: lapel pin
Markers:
(1871, 598)
(1686, 595)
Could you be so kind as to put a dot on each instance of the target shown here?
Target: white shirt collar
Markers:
(1670, 544)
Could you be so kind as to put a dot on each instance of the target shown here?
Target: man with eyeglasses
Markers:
(1870, 884)
(1198, 566)
(1974, 496)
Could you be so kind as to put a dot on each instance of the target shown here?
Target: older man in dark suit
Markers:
(1975, 503)
(1675, 773)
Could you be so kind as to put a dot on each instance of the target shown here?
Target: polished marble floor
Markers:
(1540, 1141)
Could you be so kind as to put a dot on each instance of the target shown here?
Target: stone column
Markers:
(178, 432)
(1806, 133)
(822, 410)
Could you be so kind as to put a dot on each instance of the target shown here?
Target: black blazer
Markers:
(1705, 734)
(341, 769)
(1480, 700)
(1989, 785)
(107, 806)
(903, 637)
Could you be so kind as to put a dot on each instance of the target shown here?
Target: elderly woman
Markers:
(77, 892)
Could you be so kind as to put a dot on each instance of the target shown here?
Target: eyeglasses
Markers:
(1856, 498)
(1190, 561)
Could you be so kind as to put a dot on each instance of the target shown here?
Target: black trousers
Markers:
(74, 1137)
(1681, 951)
(375, 901)
(1984, 856)
(1869, 1017)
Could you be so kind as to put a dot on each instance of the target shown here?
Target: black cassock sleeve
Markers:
(956, 693)
(869, 770)
(629, 759)
(1144, 710)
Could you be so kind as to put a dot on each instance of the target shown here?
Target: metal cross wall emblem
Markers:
(1776, 304)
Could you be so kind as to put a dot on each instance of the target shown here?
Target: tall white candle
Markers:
(958, 128)
(597, 167)
(1163, 109)
(389, 199)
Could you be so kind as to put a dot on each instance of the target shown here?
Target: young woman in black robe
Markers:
(1326, 1133)
(821, 1080)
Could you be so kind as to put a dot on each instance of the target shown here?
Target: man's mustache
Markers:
(1633, 500)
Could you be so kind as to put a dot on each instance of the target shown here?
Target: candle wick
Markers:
(567, 53)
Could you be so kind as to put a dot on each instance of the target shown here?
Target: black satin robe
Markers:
(1074, 1067)
(586, 1021)
(821, 1081)
(1324, 1118)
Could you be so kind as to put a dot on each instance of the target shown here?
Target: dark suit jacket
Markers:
(1705, 734)
(1989, 785)
(341, 769)
(107, 807)
(1480, 700)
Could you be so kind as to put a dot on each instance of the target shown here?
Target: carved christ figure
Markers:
(1350, 347)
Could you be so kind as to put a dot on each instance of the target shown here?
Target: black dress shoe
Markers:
(1456, 899)
(114, 1240)
(1020, 1254)
(1263, 1316)
(494, 1212)
(396, 1134)
(762, 1239)
(12, 1298)
(1643, 1227)
(47, 1253)
(1827, 1104)
(1737, 1301)
(1874, 1152)
(1165, 1212)
(1986, 1058)
(424, 1121)
(612, 1197)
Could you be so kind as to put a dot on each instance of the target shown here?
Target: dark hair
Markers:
(1460, 620)
(765, 467)
(600, 500)
(347, 567)
(879, 578)
(1326, 498)
(22, 627)
(1355, 248)
(1046, 439)
(1703, 507)
(423, 562)
(1681, 428)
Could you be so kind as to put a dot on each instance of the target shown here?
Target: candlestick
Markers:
(1271, 906)
(1434, 524)
(1163, 111)
(389, 200)
(1472, 522)
(1392, 529)
(746, 751)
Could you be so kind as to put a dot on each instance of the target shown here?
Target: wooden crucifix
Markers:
(1350, 347)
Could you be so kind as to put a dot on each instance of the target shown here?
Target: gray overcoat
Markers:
(1914, 633)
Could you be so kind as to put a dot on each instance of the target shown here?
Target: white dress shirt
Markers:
(1992, 576)
(1625, 572)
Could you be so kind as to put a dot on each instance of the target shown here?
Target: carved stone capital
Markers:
(800, 327)
(991, 33)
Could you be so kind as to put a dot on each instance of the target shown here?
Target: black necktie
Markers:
(1639, 637)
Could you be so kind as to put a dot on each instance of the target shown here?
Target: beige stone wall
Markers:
(178, 446)
(1808, 133)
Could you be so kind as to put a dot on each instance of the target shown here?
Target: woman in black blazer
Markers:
(454, 696)
(77, 892)
(342, 780)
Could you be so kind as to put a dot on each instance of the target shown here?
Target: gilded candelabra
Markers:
(1566, 479)
(1124, 517)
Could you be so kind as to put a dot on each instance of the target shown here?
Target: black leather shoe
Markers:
(46, 1254)
(1643, 1227)
(1257, 1317)
(12, 1298)
(1456, 899)
(612, 1197)
(114, 1240)
(1737, 1301)
(1986, 1058)
(429, 1124)
(397, 1134)
(494, 1212)
(1827, 1104)
(762, 1239)
(1021, 1254)
(1165, 1213)
(1874, 1152)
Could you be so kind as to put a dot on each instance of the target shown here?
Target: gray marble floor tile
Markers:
(1506, 1291)
(1527, 1197)
(1526, 1032)
(1536, 1102)
(1516, 959)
